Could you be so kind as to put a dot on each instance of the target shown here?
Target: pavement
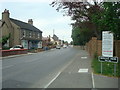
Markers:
(79, 74)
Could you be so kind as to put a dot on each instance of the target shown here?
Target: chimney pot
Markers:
(5, 14)
(30, 21)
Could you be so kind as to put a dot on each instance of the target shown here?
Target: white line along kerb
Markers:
(93, 82)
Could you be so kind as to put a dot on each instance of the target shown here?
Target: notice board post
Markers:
(107, 50)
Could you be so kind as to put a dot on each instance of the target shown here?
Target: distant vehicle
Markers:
(65, 46)
(58, 47)
(17, 47)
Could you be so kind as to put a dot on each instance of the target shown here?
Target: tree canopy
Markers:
(91, 18)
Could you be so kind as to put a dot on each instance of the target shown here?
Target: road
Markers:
(64, 68)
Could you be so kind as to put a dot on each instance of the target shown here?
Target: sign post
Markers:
(101, 68)
(107, 44)
(114, 69)
(107, 50)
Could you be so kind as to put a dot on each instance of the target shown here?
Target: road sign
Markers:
(108, 59)
(107, 44)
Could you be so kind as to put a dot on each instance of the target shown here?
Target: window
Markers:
(34, 34)
(38, 35)
(30, 34)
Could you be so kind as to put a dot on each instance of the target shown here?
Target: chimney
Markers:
(5, 14)
(30, 21)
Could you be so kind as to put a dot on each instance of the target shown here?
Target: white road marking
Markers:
(59, 73)
(52, 80)
(83, 57)
(93, 82)
(82, 70)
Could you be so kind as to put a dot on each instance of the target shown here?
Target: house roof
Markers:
(24, 25)
(55, 37)
(45, 38)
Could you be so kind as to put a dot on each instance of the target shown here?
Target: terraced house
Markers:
(21, 33)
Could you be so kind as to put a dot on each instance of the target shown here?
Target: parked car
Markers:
(64, 46)
(58, 47)
(17, 47)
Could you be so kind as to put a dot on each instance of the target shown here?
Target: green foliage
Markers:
(81, 35)
(4, 39)
(76, 36)
(108, 68)
(91, 19)
(112, 17)
(5, 48)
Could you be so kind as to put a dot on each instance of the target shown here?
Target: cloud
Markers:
(44, 17)
(63, 31)
(62, 19)
(57, 21)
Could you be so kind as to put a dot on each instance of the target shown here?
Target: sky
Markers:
(45, 17)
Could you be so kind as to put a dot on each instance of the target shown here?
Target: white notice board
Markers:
(107, 44)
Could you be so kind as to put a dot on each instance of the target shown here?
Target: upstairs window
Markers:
(24, 33)
(34, 34)
(38, 35)
(30, 34)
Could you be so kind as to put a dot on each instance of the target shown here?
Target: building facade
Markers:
(21, 33)
(55, 39)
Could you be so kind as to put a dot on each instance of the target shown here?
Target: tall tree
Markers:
(111, 17)
(79, 11)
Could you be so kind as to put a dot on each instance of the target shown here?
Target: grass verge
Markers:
(107, 68)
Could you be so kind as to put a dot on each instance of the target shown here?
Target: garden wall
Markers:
(14, 52)
(94, 46)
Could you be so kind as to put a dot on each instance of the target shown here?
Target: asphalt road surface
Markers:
(64, 68)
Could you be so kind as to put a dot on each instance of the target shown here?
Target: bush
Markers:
(5, 48)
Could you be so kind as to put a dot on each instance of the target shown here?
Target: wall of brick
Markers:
(13, 52)
(117, 48)
(99, 47)
(95, 46)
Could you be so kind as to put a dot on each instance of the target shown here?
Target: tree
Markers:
(91, 19)
(81, 35)
(111, 17)
(4, 39)
(80, 12)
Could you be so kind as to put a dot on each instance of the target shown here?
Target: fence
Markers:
(94, 46)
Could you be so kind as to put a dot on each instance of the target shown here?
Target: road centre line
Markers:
(52, 80)
(59, 73)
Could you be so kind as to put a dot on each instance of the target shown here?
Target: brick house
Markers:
(21, 33)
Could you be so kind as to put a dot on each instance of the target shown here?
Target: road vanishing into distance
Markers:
(57, 68)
